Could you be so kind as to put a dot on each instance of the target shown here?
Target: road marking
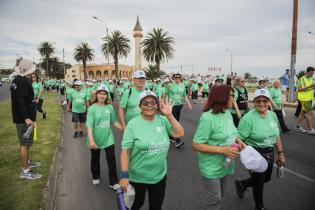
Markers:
(297, 174)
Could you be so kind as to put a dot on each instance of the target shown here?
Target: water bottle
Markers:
(120, 200)
(129, 196)
(227, 160)
(28, 131)
(280, 172)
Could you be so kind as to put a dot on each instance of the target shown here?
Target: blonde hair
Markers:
(237, 81)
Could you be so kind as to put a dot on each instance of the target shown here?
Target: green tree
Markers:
(152, 73)
(118, 47)
(56, 67)
(83, 52)
(46, 50)
(158, 46)
(247, 75)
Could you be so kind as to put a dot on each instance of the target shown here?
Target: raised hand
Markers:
(166, 106)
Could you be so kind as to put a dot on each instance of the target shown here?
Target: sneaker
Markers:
(81, 134)
(44, 115)
(179, 143)
(114, 187)
(76, 135)
(300, 129)
(30, 175)
(311, 131)
(239, 189)
(96, 181)
(33, 164)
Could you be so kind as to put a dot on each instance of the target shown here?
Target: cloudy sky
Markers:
(257, 32)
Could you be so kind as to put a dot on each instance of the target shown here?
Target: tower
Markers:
(137, 34)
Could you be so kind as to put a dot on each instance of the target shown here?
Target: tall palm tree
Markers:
(158, 46)
(118, 46)
(46, 49)
(83, 53)
(152, 73)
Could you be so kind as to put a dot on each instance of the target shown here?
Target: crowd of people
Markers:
(149, 117)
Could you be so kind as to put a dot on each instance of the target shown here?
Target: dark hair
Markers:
(218, 99)
(310, 68)
(95, 100)
(35, 76)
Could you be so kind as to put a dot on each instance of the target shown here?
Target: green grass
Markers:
(16, 193)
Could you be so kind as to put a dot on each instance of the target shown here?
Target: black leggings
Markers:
(281, 120)
(156, 194)
(176, 113)
(257, 180)
(39, 106)
(111, 163)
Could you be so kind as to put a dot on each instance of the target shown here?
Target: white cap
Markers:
(102, 87)
(139, 74)
(252, 160)
(158, 79)
(262, 92)
(147, 93)
(25, 67)
(166, 80)
(78, 82)
(263, 78)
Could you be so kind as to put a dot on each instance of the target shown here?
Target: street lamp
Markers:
(231, 54)
(96, 18)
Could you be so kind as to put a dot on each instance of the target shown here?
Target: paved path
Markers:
(185, 189)
(5, 91)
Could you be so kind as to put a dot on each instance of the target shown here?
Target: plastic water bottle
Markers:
(120, 200)
(28, 131)
(129, 196)
(227, 160)
(280, 172)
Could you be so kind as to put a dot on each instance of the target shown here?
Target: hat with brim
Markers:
(78, 82)
(26, 67)
(147, 93)
(102, 87)
(139, 74)
(262, 92)
(253, 160)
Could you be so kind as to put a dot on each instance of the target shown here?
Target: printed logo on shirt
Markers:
(159, 129)
(107, 111)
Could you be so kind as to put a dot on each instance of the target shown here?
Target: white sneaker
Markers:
(96, 181)
(114, 187)
(300, 129)
(311, 131)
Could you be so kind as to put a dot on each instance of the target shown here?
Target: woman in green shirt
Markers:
(100, 117)
(259, 129)
(38, 89)
(145, 144)
(213, 139)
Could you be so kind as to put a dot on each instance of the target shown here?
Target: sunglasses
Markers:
(177, 77)
(147, 103)
(242, 81)
(258, 101)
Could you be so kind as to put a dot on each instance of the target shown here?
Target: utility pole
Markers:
(293, 50)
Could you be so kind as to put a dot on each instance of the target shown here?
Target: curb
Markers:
(51, 188)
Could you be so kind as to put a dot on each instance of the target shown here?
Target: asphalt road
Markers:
(185, 189)
(5, 91)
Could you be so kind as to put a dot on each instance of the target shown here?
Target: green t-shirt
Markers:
(216, 130)
(100, 118)
(119, 92)
(78, 99)
(69, 90)
(111, 88)
(157, 89)
(131, 103)
(205, 87)
(194, 87)
(276, 96)
(176, 93)
(149, 143)
(37, 87)
(259, 131)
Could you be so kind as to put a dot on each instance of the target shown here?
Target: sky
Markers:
(256, 32)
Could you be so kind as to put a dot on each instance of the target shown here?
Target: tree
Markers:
(118, 46)
(247, 75)
(152, 73)
(83, 53)
(56, 69)
(158, 46)
(46, 49)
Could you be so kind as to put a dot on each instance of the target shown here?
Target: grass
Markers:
(16, 193)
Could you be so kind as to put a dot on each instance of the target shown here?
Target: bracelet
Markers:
(124, 175)
(279, 152)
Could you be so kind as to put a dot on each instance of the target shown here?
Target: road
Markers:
(5, 91)
(185, 189)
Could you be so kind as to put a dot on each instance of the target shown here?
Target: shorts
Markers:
(21, 129)
(307, 106)
(79, 117)
(194, 95)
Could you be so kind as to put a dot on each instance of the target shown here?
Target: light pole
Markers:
(231, 54)
(96, 18)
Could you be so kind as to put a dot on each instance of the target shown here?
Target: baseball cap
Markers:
(252, 160)
(262, 92)
(78, 82)
(263, 79)
(102, 87)
(139, 74)
(147, 93)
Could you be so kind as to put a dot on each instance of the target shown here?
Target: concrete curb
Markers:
(51, 189)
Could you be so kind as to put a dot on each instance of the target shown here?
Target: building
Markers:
(104, 71)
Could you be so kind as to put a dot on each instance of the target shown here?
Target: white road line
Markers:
(297, 174)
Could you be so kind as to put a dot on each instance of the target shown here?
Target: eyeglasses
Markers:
(177, 77)
(147, 103)
(33, 76)
(258, 101)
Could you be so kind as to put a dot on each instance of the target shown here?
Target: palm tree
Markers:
(46, 49)
(118, 46)
(158, 46)
(152, 73)
(83, 53)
